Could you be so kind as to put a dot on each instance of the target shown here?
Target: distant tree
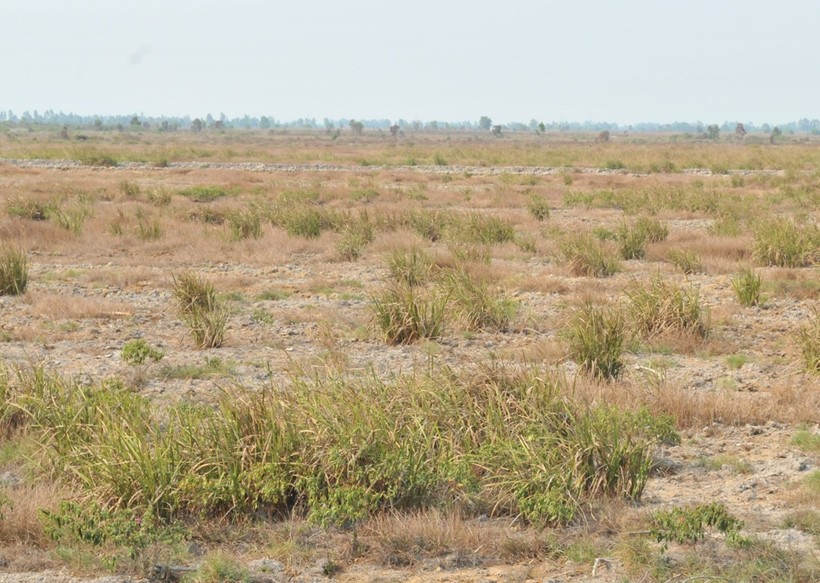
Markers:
(219, 125)
(164, 126)
(135, 123)
(740, 130)
(485, 123)
(64, 133)
(97, 123)
(775, 135)
(264, 122)
(394, 130)
(196, 125)
(713, 132)
(603, 136)
(542, 128)
(497, 131)
(356, 127)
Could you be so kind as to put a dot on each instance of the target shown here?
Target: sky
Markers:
(621, 61)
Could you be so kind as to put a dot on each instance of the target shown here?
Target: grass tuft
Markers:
(747, 285)
(587, 256)
(597, 336)
(14, 266)
(405, 314)
(200, 309)
(661, 306)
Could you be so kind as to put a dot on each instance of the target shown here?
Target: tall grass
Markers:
(808, 338)
(784, 243)
(410, 266)
(405, 314)
(597, 336)
(747, 286)
(200, 309)
(587, 256)
(14, 265)
(661, 306)
(476, 303)
(498, 441)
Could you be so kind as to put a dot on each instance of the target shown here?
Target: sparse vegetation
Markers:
(200, 310)
(586, 255)
(597, 337)
(687, 261)
(808, 337)
(748, 285)
(661, 306)
(784, 243)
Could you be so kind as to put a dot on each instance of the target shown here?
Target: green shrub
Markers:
(199, 309)
(586, 255)
(137, 352)
(747, 285)
(687, 261)
(539, 207)
(405, 314)
(411, 266)
(475, 303)
(781, 242)
(14, 265)
(662, 306)
(808, 337)
(596, 337)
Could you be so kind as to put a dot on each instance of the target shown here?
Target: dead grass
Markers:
(60, 307)
(21, 522)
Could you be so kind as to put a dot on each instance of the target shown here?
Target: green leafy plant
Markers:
(14, 264)
(688, 525)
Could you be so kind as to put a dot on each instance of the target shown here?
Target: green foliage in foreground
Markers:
(339, 449)
(688, 525)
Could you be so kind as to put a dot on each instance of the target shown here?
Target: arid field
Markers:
(272, 356)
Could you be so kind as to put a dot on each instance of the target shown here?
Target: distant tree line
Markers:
(134, 121)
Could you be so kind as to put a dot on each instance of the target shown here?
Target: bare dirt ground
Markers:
(741, 396)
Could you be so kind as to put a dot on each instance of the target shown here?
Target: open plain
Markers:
(431, 357)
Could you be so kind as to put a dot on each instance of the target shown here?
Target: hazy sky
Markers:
(604, 60)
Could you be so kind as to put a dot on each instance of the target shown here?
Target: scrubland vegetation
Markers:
(427, 351)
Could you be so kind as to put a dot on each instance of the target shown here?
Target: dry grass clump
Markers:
(539, 207)
(662, 306)
(808, 337)
(355, 237)
(782, 242)
(585, 255)
(14, 266)
(405, 314)
(55, 307)
(687, 261)
(747, 286)
(597, 336)
(411, 266)
(200, 309)
(475, 302)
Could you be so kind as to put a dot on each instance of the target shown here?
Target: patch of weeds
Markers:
(405, 314)
(808, 338)
(688, 525)
(212, 367)
(597, 336)
(411, 266)
(747, 286)
(263, 316)
(148, 229)
(140, 355)
(159, 197)
(14, 265)
(805, 520)
(807, 440)
(71, 219)
(526, 243)
(364, 196)
(481, 229)
(539, 207)
(654, 230)
(631, 241)
(200, 310)
(737, 361)
(439, 160)
(470, 252)
(614, 165)
(782, 242)
(204, 193)
(218, 568)
(274, 295)
(604, 234)
(718, 462)
(95, 158)
(687, 261)
(26, 208)
(726, 225)
(586, 256)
